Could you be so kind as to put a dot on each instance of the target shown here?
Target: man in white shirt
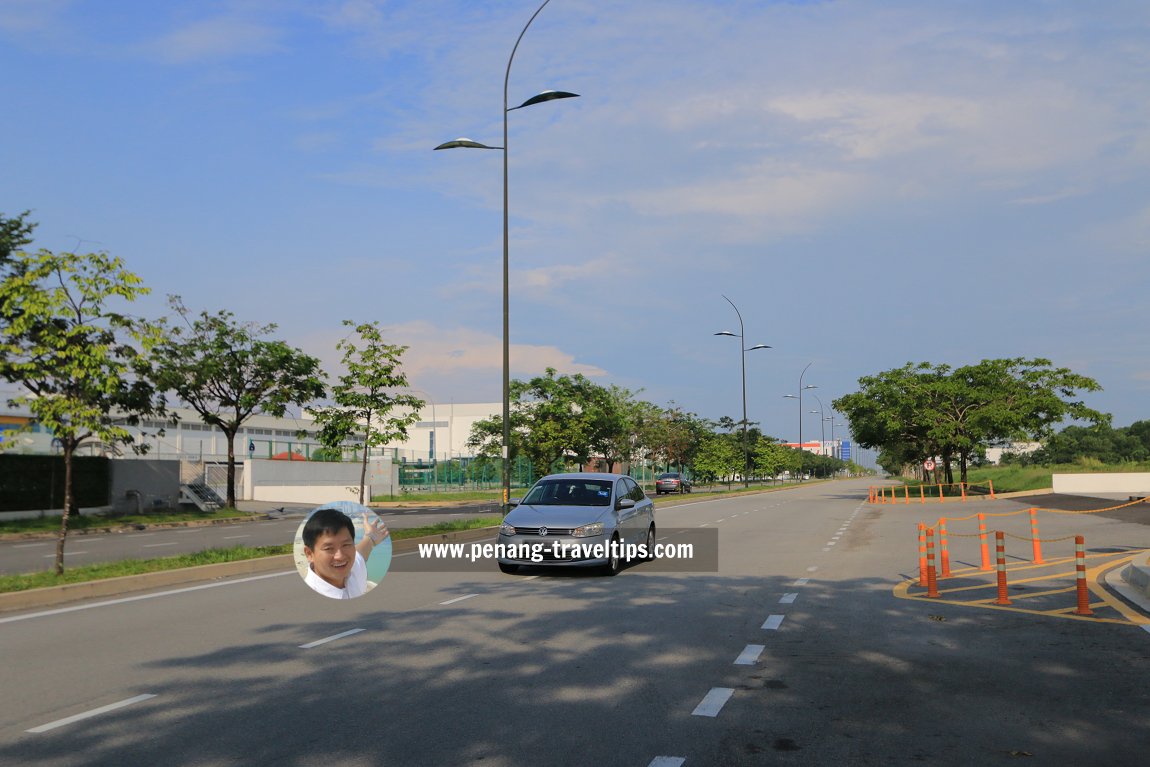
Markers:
(337, 565)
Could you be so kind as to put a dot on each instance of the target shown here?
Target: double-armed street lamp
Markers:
(743, 361)
(467, 143)
(799, 397)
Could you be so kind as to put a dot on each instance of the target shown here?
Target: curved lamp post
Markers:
(467, 143)
(799, 397)
(743, 359)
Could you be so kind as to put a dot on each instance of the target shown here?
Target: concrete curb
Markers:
(1137, 574)
(114, 587)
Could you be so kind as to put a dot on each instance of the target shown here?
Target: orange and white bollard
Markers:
(991, 482)
(1080, 567)
(921, 554)
(944, 551)
(906, 493)
(931, 570)
(1035, 542)
(982, 542)
(940, 498)
(962, 487)
(1000, 555)
(921, 494)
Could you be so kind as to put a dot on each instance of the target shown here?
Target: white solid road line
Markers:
(90, 714)
(714, 701)
(667, 761)
(773, 622)
(66, 553)
(458, 599)
(331, 638)
(233, 537)
(750, 655)
(157, 545)
(28, 545)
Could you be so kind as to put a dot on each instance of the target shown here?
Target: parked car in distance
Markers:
(578, 520)
(672, 482)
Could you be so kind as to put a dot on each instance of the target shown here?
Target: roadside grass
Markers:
(85, 573)
(1012, 478)
(100, 521)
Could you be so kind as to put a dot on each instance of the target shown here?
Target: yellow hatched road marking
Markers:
(1129, 614)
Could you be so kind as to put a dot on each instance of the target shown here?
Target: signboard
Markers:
(928, 464)
(845, 450)
(251, 445)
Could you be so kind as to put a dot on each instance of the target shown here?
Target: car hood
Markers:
(556, 516)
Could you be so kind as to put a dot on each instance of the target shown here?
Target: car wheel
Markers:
(650, 543)
(509, 569)
(614, 558)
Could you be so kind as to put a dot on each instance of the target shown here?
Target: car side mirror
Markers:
(625, 503)
(514, 502)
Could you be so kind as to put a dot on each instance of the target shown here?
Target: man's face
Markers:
(332, 557)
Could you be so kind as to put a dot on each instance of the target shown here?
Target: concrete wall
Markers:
(1104, 484)
(316, 482)
(144, 484)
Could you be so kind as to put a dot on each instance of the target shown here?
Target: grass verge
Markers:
(85, 573)
(99, 521)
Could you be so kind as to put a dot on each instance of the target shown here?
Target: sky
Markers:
(869, 183)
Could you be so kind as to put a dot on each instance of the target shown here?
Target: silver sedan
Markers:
(578, 520)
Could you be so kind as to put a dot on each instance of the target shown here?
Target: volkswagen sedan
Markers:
(578, 520)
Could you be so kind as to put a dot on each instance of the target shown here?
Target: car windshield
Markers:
(570, 492)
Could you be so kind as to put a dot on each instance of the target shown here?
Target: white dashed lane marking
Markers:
(714, 701)
(667, 761)
(458, 599)
(750, 655)
(332, 638)
(90, 714)
(773, 622)
(788, 599)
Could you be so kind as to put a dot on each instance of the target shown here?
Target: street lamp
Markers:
(467, 143)
(800, 399)
(743, 359)
(822, 424)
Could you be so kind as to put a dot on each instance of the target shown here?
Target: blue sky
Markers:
(871, 183)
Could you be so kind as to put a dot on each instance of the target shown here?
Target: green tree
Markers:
(718, 458)
(15, 233)
(615, 419)
(78, 358)
(226, 371)
(365, 396)
(923, 411)
(769, 457)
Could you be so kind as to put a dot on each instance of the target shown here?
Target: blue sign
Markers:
(845, 451)
(251, 445)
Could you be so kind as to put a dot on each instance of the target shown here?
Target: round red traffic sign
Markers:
(928, 464)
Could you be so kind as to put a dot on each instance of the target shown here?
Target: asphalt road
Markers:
(797, 650)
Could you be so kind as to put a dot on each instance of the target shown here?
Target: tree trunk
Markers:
(231, 501)
(363, 471)
(69, 448)
(962, 464)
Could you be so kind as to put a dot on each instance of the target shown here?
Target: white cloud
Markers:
(214, 39)
(30, 15)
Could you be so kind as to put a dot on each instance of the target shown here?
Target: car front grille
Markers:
(551, 531)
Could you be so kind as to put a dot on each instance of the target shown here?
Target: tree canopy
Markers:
(226, 371)
(922, 411)
(365, 395)
(78, 358)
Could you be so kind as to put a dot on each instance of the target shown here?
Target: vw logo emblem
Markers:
(542, 532)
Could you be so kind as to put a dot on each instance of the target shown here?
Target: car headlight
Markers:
(506, 529)
(586, 531)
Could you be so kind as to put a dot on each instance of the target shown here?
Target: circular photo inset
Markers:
(342, 550)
